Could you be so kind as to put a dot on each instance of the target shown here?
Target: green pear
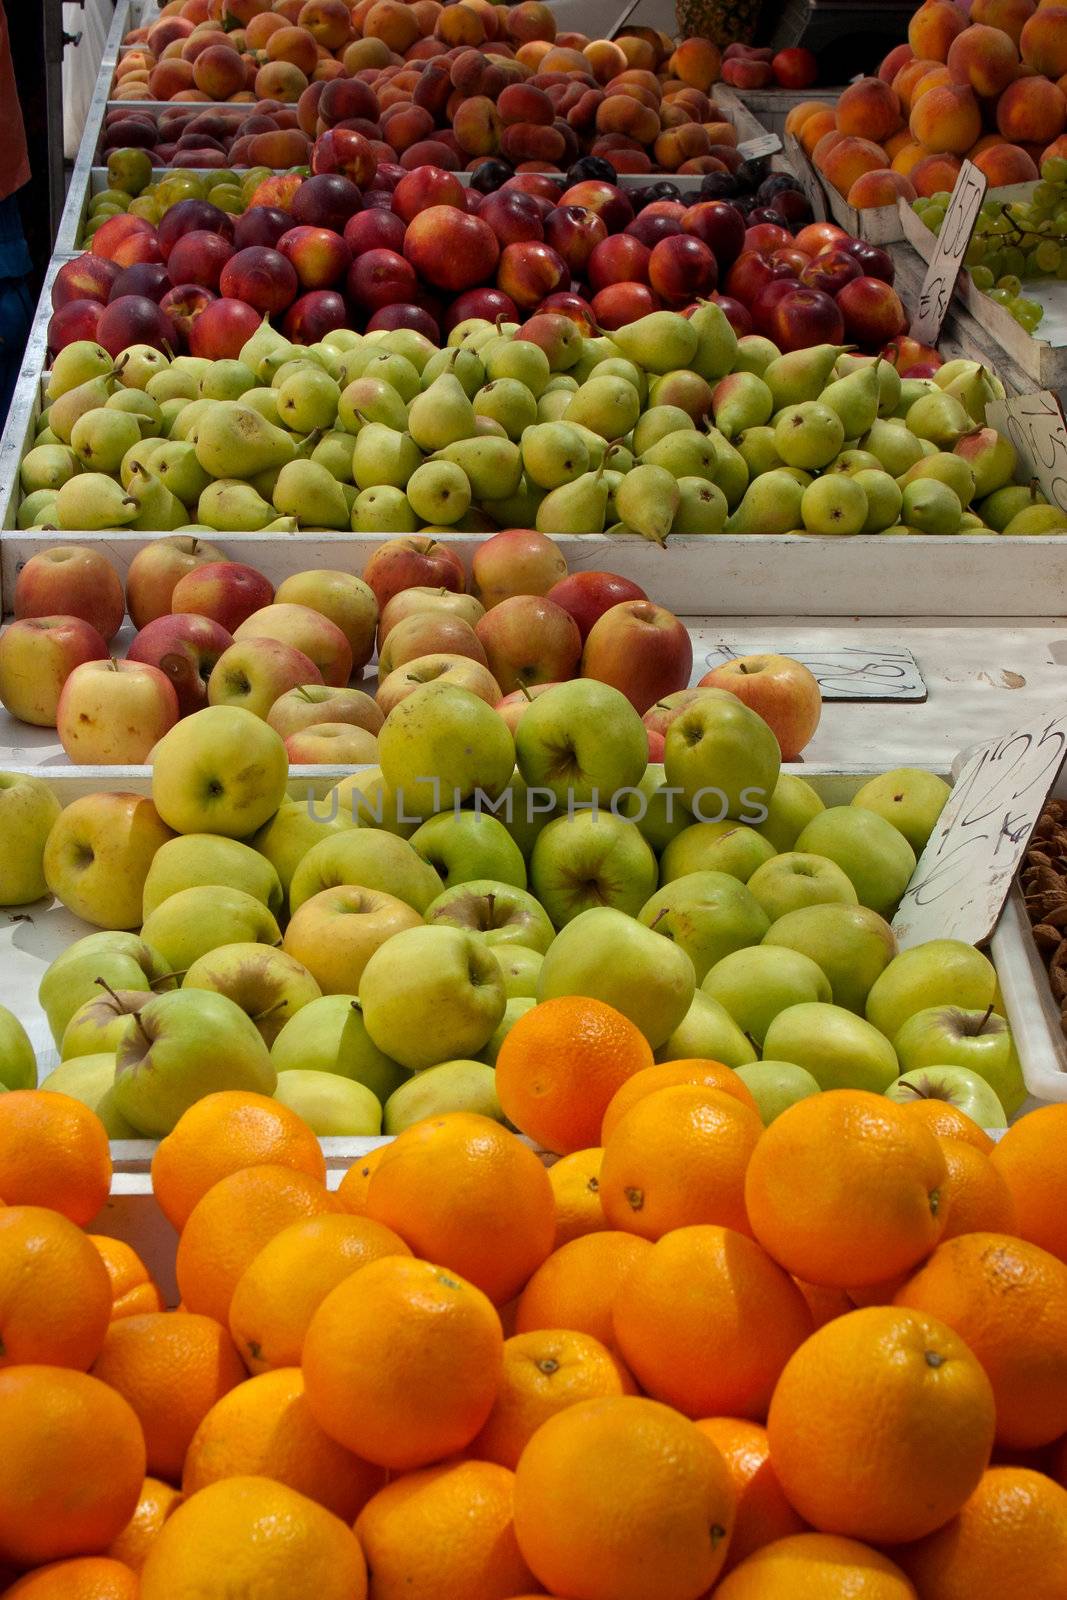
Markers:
(265, 345)
(139, 364)
(707, 1032)
(853, 461)
(553, 453)
(741, 401)
(518, 510)
(998, 508)
(755, 354)
(656, 423)
(509, 403)
(149, 415)
(100, 438)
(175, 464)
(439, 493)
(334, 452)
(519, 359)
(991, 458)
(619, 367)
(395, 370)
(172, 384)
(974, 389)
(855, 399)
(552, 404)
(226, 380)
(370, 400)
(947, 468)
(702, 507)
(384, 509)
(465, 365)
(608, 406)
(894, 445)
(38, 510)
(1034, 519)
(185, 424)
(646, 500)
(47, 466)
(382, 455)
(800, 374)
(759, 449)
(229, 505)
(493, 466)
(771, 504)
(160, 511)
(441, 415)
(407, 342)
(912, 389)
(75, 364)
(686, 454)
(309, 401)
(93, 501)
(662, 341)
(310, 493)
(932, 507)
(716, 348)
(808, 435)
(939, 417)
(835, 504)
(234, 441)
(576, 507)
(883, 499)
(64, 411)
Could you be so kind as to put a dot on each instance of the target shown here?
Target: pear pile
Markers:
(670, 425)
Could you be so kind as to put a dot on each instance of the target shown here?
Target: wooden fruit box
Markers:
(771, 107)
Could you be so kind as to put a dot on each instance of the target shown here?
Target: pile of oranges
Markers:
(691, 1357)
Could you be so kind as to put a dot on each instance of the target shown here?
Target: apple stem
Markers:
(985, 1018)
(277, 1006)
(109, 991)
(911, 1088)
(302, 690)
(660, 914)
(167, 977)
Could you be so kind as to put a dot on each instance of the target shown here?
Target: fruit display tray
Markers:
(1041, 355)
(770, 107)
(877, 224)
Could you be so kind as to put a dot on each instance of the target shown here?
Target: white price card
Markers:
(962, 879)
(765, 144)
(843, 672)
(805, 174)
(1034, 424)
(946, 264)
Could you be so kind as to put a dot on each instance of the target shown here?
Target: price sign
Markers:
(939, 285)
(801, 166)
(765, 144)
(1034, 424)
(963, 877)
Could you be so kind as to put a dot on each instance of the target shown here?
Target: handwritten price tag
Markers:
(939, 285)
(843, 672)
(963, 877)
(1034, 423)
(765, 144)
(798, 161)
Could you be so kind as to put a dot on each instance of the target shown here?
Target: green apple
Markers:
(523, 814)
(222, 770)
(198, 859)
(659, 811)
(515, 1008)
(431, 995)
(102, 1023)
(878, 860)
(609, 956)
(269, 986)
(441, 745)
(498, 913)
(793, 880)
(295, 828)
(776, 1085)
(190, 923)
(910, 799)
(851, 944)
(839, 1049)
(792, 805)
(715, 847)
(723, 757)
(86, 1078)
(589, 859)
(707, 1032)
(464, 845)
(756, 984)
(520, 967)
(365, 800)
(331, 1106)
(28, 809)
(330, 1035)
(461, 1085)
(18, 1064)
(370, 857)
(183, 1046)
(708, 915)
(968, 1091)
(122, 960)
(941, 972)
(948, 1036)
(581, 741)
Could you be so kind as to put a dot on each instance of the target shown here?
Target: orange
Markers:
(577, 1286)
(464, 1192)
(251, 1536)
(171, 1366)
(86, 1578)
(706, 1322)
(221, 1134)
(53, 1152)
(669, 1075)
(158, 1500)
(402, 1362)
(352, 1190)
(1009, 1541)
(575, 1181)
(1030, 1160)
(844, 1189)
(881, 1425)
(823, 1303)
(678, 1158)
(132, 1288)
(544, 1372)
(71, 1466)
(948, 1122)
(1008, 1300)
(283, 1286)
(559, 1067)
(264, 1428)
(448, 1530)
(816, 1566)
(763, 1512)
(981, 1201)
(55, 1294)
(623, 1499)
(231, 1224)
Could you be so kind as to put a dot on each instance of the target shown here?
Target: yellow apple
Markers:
(98, 854)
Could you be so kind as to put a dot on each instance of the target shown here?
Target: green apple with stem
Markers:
(442, 744)
(183, 1046)
(708, 915)
(190, 923)
(295, 828)
(724, 758)
(839, 1049)
(462, 846)
(431, 995)
(520, 966)
(941, 972)
(731, 847)
(908, 798)
(949, 1036)
(707, 1032)
(968, 1091)
(609, 956)
(102, 1022)
(776, 1085)
(582, 741)
(196, 859)
(851, 944)
(222, 770)
(18, 1064)
(756, 984)
(591, 859)
(793, 880)
(460, 1085)
(269, 986)
(792, 806)
(370, 857)
(332, 1106)
(877, 859)
(498, 913)
(124, 960)
(330, 1035)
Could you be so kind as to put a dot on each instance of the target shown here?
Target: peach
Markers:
(200, 41)
(880, 187)
(720, 134)
(898, 57)
(560, 59)
(460, 24)
(1005, 163)
(639, 52)
(909, 77)
(280, 80)
(430, 153)
(1058, 147)
(532, 53)
(934, 174)
(985, 58)
(529, 22)
(530, 141)
(491, 19)
(605, 59)
(948, 119)
(896, 142)
(682, 144)
(827, 143)
(328, 21)
(1032, 110)
(816, 125)
(907, 158)
(869, 109)
(936, 78)
(621, 114)
(1043, 41)
(169, 79)
(477, 125)
(406, 125)
(743, 73)
(294, 45)
(286, 147)
(219, 71)
(260, 29)
(347, 99)
(933, 28)
(166, 31)
(392, 22)
(1007, 15)
(636, 75)
(849, 160)
(697, 62)
(799, 114)
(521, 102)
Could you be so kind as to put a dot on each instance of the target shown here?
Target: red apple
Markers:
(254, 673)
(512, 706)
(516, 561)
(872, 311)
(574, 233)
(610, 203)
(226, 591)
(320, 257)
(156, 568)
(529, 639)
(530, 271)
(412, 562)
(185, 647)
(71, 581)
(451, 249)
(782, 691)
(37, 656)
(331, 744)
(805, 317)
(640, 649)
(87, 277)
(222, 329)
(819, 236)
(830, 271)
(721, 227)
(262, 278)
(512, 215)
(795, 68)
(428, 633)
(620, 258)
(587, 595)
